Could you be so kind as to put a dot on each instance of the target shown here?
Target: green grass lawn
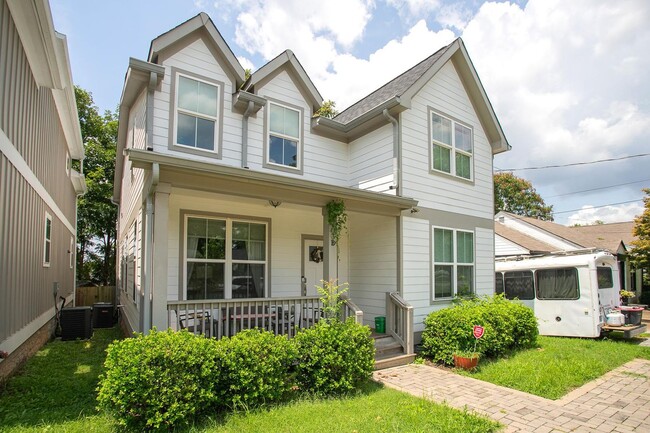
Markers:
(55, 393)
(559, 365)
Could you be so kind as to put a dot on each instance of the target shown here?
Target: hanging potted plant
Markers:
(337, 219)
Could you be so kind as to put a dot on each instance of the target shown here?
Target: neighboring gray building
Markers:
(39, 138)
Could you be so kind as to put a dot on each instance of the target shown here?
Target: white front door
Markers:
(312, 266)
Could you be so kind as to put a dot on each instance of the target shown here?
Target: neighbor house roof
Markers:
(605, 236)
(521, 239)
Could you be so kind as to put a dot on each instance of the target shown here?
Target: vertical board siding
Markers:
(445, 93)
(30, 119)
(373, 262)
(25, 284)
(371, 156)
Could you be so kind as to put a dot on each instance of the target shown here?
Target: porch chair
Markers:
(196, 322)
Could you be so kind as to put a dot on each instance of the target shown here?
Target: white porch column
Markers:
(330, 258)
(160, 259)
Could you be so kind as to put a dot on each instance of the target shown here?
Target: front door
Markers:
(312, 266)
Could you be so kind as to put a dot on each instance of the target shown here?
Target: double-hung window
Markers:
(451, 146)
(225, 258)
(47, 242)
(197, 111)
(453, 263)
(284, 136)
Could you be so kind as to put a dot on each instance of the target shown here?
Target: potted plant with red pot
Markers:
(465, 359)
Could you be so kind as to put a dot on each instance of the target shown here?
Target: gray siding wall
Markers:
(29, 119)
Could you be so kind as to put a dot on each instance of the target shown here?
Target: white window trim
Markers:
(228, 261)
(47, 242)
(452, 147)
(454, 264)
(217, 125)
(267, 157)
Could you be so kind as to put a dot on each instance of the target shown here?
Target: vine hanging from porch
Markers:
(337, 219)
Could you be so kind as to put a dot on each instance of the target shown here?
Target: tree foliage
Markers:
(516, 195)
(328, 110)
(97, 215)
(640, 253)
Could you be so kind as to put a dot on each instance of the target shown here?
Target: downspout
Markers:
(244, 134)
(396, 150)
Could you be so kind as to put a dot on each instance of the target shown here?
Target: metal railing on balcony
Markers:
(399, 321)
(225, 317)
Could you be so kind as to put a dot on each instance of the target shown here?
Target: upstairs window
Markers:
(452, 146)
(284, 136)
(197, 111)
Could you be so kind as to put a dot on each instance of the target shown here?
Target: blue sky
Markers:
(567, 78)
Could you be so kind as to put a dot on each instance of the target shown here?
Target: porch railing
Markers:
(350, 309)
(399, 321)
(225, 317)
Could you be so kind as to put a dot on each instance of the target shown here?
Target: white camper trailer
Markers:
(571, 293)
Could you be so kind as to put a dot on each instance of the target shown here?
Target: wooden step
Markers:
(386, 345)
(393, 361)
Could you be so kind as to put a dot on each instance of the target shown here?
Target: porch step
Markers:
(393, 361)
(385, 345)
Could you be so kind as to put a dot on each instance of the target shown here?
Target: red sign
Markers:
(478, 331)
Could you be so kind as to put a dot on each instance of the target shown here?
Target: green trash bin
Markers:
(380, 324)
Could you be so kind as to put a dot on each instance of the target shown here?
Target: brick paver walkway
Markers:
(619, 401)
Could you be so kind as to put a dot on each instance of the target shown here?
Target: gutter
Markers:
(358, 121)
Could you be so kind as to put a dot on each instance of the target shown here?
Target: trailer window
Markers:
(519, 284)
(605, 279)
(557, 283)
(498, 283)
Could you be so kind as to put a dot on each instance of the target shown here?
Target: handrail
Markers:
(399, 321)
(350, 307)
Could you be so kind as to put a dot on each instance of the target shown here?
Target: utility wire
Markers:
(596, 207)
(597, 189)
(576, 163)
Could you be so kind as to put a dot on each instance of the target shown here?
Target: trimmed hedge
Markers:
(334, 357)
(253, 368)
(158, 380)
(508, 325)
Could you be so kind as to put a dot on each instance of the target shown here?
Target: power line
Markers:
(597, 189)
(576, 163)
(596, 207)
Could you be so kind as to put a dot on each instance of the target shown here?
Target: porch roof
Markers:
(186, 173)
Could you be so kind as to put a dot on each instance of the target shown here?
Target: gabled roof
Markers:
(605, 236)
(200, 22)
(530, 243)
(287, 60)
(408, 84)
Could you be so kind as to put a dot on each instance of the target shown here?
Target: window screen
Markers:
(557, 283)
(519, 284)
(605, 278)
(498, 283)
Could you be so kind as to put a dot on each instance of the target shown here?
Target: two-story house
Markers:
(223, 183)
(39, 138)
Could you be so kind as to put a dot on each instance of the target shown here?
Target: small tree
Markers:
(331, 295)
(516, 195)
(327, 110)
(640, 253)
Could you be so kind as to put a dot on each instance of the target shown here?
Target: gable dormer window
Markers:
(451, 146)
(197, 111)
(284, 147)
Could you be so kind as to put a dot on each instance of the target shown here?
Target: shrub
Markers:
(253, 368)
(334, 357)
(158, 380)
(508, 325)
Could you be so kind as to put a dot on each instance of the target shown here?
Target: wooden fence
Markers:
(87, 296)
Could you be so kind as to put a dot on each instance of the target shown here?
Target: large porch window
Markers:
(224, 258)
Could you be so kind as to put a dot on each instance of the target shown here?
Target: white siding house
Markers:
(223, 182)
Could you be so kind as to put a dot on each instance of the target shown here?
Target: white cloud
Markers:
(414, 8)
(246, 63)
(609, 214)
(566, 80)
